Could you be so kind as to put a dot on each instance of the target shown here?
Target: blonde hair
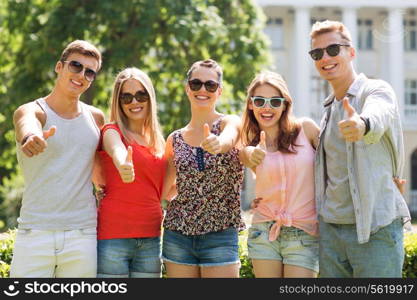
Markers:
(81, 47)
(152, 129)
(288, 127)
(330, 26)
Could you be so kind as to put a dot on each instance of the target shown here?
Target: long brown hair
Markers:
(152, 129)
(289, 128)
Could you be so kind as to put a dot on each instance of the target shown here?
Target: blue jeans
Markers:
(341, 256)
(206, 250)
(129, 257)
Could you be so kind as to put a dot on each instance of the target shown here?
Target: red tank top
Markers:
(131, 210)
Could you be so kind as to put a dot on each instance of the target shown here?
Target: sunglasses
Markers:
(210, 85)
(332, 50)
(273, 102)
(140, 96)
(77, 67)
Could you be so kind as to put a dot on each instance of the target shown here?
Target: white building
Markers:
(385, 36)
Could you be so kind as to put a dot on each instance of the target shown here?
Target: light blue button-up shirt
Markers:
(372, 161)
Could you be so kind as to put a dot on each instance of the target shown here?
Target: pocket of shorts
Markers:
(309, 241)
(88, 231)
(254, 234)
(24, 232)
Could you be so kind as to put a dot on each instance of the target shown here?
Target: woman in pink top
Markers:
(280, 149)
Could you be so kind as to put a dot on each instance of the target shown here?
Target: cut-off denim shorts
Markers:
(129, 257)
(292, 247)
(206, 250)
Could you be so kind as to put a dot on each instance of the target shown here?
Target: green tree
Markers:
(162, 37)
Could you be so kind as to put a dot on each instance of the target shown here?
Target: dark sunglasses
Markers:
(140, 96)
(210, 85)
(260, 102)
(77, 67)
(332, 50)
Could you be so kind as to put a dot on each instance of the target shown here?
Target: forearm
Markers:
(244, 155)
(26, 123)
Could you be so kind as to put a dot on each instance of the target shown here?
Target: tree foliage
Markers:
(161, 37)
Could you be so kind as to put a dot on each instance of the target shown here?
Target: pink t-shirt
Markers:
(285, 182)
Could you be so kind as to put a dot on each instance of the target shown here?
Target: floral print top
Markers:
(208, 198)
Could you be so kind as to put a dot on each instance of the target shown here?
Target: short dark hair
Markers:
(81, 47)
(208, 63)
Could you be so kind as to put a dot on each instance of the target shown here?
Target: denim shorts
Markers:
(292, 247)
(129, 257)
(341, 256)
(206, 250)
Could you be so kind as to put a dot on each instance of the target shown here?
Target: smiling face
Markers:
(333, 67)
(267, 116)
(135, 110)
(74, 84)
(203, 98)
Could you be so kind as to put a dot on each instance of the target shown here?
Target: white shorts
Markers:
(48, 254)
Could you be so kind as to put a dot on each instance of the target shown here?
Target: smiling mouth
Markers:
(79, 84)
(202, 98)
(136, 109)
(329, 67)
(267, 116)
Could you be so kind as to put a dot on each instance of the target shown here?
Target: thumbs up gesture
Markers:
(211, 142)
(126, 170)
(352, 128)
(33, 144)
(258, 153)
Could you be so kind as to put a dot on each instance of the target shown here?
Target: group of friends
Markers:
(328, 198)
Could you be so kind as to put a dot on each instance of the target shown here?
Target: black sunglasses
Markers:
(274, 102)
(77, 67)
(210, 85)
(332, 50)
(140, 96)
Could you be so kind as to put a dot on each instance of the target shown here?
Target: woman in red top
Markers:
(131, 150)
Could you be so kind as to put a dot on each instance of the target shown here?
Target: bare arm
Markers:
(122, 157)
(230, 132)
(312, 131)
(168, 190)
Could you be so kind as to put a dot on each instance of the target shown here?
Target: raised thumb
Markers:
(348, 108)
(262, 140)
(50, 132)
(129, 156)
(206, 130)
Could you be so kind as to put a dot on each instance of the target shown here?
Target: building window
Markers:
(274, 29)
(414, 171)
(410, 30)
(320, 89)
(365, 37)
(410, 98)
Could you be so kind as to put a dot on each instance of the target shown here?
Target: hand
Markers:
(255, 202)
(400, 183)
(35, 144)
(258, 153)
(100, 192)
(353, 128)
(211, 142)
(126, 170)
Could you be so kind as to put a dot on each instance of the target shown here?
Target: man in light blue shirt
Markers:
(361, 211)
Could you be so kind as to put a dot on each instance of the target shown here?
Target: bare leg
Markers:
(181, 271)
(227, 271)
(267, 268)
(291, 271)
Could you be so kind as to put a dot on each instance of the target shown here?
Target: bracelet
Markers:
(25, 138)
(367, 124)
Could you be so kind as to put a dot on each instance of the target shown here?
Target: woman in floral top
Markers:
(202, 222)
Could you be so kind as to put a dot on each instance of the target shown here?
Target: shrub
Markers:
(6, 252)
(246, 269)
(410, 259)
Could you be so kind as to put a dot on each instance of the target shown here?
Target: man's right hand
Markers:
(258, 153)
(34, 144)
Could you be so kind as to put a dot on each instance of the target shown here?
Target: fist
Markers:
(211, 142)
